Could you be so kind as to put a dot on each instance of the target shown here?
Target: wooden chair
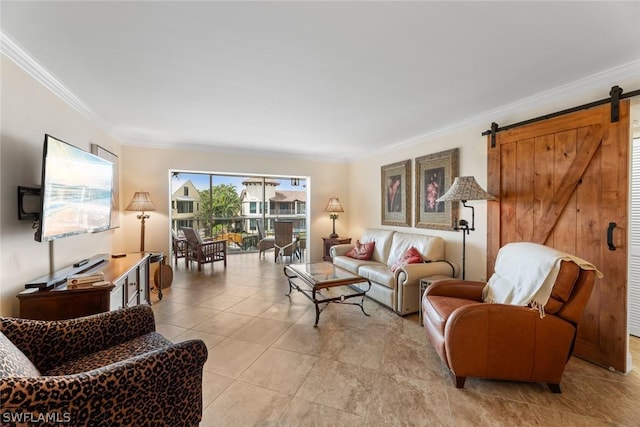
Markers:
(204, 252)
(264, 243)
(283, 242)
(179, 247)
(300, 248)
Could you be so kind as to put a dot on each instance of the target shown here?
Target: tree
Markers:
(221, 208)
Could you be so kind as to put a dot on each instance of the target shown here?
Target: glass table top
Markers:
(322, 272)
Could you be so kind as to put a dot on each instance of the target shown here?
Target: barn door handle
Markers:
(612, 225)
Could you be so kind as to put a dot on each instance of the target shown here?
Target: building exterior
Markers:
(287, 205)
(185, 207)
(283, 205)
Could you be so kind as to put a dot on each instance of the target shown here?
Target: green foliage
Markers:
(222, 202)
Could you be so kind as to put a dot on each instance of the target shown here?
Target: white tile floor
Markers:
(268, 365)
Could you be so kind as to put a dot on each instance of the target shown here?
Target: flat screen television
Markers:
(75, 193)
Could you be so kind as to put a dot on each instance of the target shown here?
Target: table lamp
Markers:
(334, 207)
(463, 189)
(141, 202)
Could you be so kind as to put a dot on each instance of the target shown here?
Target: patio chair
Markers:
(179, 247)
(284, 240)
(204, 252)
(264, 243)
(300, 248)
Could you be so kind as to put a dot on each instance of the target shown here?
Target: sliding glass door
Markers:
(231, 207)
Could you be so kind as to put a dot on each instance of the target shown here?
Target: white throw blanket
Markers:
(525, 274)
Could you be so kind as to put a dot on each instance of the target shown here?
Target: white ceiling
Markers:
(330, 79)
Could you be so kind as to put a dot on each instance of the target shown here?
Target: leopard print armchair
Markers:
(107, 369)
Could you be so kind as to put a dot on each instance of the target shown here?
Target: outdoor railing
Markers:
(287, 212)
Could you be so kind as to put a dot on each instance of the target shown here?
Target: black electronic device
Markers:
(60, 276)
(76, 191)
(81, 263)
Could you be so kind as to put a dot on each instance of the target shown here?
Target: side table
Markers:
(425, 282)
(327, 242)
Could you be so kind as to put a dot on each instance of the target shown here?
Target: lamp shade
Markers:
(141, 202)
(334, 205)
(465, 188)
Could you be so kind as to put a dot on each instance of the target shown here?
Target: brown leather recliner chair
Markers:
(506, 342)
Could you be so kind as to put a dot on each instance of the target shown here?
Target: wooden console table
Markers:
(129, 277)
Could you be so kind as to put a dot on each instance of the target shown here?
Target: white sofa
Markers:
(397, 290)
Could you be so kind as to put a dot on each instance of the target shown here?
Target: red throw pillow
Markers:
(410, 256)
(361, 250)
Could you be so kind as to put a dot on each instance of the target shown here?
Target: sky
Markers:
(201, 182)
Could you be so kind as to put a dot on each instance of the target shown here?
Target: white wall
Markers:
(148, 169)
(365, 195)
(363, 203)
(28, 111)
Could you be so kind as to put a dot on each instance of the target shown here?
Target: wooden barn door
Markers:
(561, 182)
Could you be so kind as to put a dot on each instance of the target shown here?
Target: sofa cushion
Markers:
(383, 240)
(378, 273)
(351, 264)
(139, 345)
(430, 247)
(410, 256)
(13, 362)
(362, 250)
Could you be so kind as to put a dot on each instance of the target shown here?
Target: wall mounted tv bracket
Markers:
(29, 203)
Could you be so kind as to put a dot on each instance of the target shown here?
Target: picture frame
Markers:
(434, 175)
(115, 196)
(396, 194)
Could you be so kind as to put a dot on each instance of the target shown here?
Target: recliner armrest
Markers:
(455, 288)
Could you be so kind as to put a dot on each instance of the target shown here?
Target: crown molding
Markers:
(168, 144)
(597, 83)
(558, 95)
(11, 50)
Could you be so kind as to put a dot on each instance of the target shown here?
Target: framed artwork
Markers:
(434, 175)
(396, 193)
(115, 195)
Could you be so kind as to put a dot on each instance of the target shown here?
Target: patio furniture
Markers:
(300, 248)
(284, 240)
(179, 247)
(204, 251)
(264, 243)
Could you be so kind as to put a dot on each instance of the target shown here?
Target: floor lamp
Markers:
(141, 202)
(463, 189)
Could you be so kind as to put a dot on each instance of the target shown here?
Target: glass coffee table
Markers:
(311, 279)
